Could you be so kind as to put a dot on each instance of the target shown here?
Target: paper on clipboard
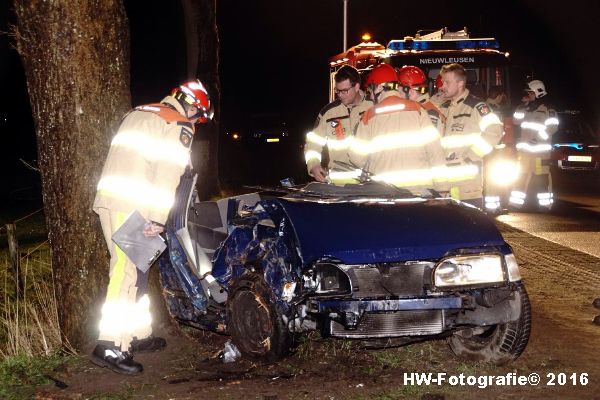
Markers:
(139, 248)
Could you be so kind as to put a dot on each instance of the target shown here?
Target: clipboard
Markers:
(140, 249)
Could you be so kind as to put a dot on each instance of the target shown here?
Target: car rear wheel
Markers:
(498, 344)
(256, 327)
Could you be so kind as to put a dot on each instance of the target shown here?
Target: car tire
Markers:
(257, 329)
(498, 344)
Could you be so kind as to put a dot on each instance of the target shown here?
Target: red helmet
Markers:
(383, 73)
(412, 77)
(194, 94)
(438, 82)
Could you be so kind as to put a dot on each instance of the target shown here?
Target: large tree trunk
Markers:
(202, 43)
(76, 59)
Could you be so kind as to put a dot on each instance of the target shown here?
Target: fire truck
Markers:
(485, 64)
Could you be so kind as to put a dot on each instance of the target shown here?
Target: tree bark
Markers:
(202, 43)
(76, 59)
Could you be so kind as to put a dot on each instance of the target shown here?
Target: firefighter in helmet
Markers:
(472, 130)
(396, 142)
(413, 83)
(147, 156)
(537, 123)
(327, 144)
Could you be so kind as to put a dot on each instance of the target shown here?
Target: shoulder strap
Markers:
(389, 105)
(429, 106)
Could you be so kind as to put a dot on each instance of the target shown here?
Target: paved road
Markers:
(575, 220)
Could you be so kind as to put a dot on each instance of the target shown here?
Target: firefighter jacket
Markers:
(471, 132)
(537, 123)
(438, 119)
(332, 133)
(146, 158)
(397, 143)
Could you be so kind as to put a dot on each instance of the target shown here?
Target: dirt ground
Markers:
(563, 350)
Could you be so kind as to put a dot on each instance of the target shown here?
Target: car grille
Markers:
(385, 280)
(396, 324)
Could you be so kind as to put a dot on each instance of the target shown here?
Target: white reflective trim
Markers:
(536, 148)
(462, 172)
(312, 155)
(460, 140)
(516, 200)
(396, 140)
(149, 108)
(551, 121)
(408, 177)
(153, 149)
(518, 194)
(393, 107)
(338, 144)
(489, 120)
(344, 175)
(492, 205)
(544, 196)
(519, 115)
(535, 126)
(136, 191)
(545, 202)
(481, 147)
(312, 137)
(492, 199)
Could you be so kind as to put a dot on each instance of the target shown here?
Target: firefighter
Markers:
(147, 156)
(335, 126)
(537, 123)
(471, 132)
(396, 142)
(413, 82)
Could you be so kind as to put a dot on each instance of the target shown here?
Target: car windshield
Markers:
(573, 129)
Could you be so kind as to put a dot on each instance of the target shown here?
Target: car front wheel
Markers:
(256, 327)
(498, 344)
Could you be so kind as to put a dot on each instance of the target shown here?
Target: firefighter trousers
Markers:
(535, 181)
(126, 310)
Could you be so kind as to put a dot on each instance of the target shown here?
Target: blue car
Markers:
(367, 262)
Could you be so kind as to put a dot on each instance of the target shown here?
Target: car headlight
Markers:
(504, 172)
(469, 270)
(331, 279)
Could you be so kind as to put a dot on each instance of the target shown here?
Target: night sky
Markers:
(274, 54)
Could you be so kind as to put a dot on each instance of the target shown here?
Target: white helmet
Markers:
(538, 88)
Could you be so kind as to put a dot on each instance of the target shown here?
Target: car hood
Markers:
(375, 232)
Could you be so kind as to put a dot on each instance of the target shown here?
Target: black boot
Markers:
(596, 302)
(151, 343)
(115, 360)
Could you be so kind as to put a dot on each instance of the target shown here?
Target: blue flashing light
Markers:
(443, 44)
(576, 146)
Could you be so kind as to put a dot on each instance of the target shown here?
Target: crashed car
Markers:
(368, 262)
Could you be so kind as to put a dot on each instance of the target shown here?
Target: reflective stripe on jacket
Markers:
(334, 130)
(146, 158)
(398, 144)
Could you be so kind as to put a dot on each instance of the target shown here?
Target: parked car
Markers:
(575, 146)
(368, 262)
(257, 129)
